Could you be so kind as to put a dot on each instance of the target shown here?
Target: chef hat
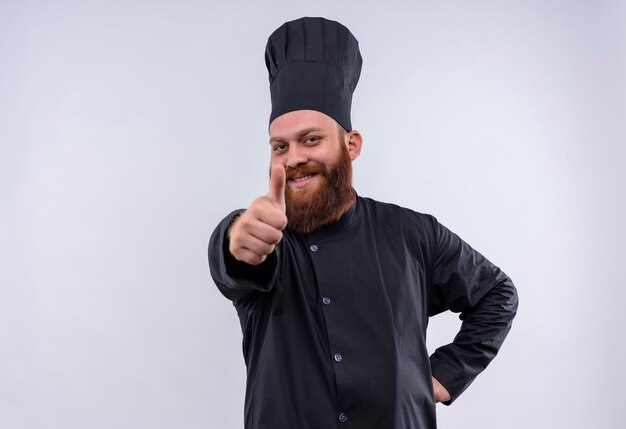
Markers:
(313, 64)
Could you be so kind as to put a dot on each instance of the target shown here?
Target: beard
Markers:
(312, 209)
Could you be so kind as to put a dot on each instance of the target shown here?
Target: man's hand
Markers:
(441, 394)
(256, 232)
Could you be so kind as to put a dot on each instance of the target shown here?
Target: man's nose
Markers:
(296, 156)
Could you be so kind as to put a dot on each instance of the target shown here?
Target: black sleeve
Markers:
(238, 280)
(464, 281)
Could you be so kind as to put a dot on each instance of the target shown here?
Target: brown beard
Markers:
(309, 210)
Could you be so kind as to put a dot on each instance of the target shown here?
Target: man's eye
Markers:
(279, 147)
(312, 139)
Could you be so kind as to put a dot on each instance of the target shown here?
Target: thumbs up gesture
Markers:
(256, 232)
(278, 181)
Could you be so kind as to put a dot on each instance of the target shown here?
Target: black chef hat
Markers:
(313, 64)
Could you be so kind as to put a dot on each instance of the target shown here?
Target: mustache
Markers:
(304, 170)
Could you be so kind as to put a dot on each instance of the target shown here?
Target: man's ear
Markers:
(354, 142)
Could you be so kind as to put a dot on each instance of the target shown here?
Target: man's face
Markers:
(314, 151)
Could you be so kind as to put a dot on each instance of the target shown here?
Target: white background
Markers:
(129, 129)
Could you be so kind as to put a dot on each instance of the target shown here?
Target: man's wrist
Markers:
(231, 224)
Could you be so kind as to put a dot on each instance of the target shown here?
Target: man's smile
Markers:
(302, 180)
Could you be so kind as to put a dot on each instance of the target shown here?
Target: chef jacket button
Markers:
(338, 357)
(326, 300)
(343, 418)
(313, 248)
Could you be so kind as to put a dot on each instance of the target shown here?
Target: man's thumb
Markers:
(277, 185)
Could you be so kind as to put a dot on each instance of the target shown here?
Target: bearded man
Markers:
(334, 290)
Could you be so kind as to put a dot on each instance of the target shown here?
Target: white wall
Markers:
(129, 129)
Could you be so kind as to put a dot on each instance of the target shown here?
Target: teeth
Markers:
(300, 179)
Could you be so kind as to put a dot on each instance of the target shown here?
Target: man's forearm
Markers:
(482, 332)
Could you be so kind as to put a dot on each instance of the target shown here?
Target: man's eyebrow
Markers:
(309, 131)
(300, 134)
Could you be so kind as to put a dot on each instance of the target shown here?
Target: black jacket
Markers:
(334, 322)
